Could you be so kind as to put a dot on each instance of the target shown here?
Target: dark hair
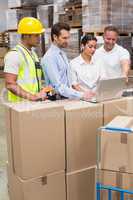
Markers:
(56, 29)
(111, 28)
(86, 38)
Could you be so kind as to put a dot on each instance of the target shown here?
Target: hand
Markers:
(47, 89)
(88, 95)
(38, 96)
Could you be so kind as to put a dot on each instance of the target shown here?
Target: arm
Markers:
(11, 85)
(125, 67)
(74, 78)
(52, 72)
(125, 62)
(80, 88)
(11, 70)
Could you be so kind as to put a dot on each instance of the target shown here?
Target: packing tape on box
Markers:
(123, 138)
(122, 169)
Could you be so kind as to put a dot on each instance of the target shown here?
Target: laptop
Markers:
(109, 89)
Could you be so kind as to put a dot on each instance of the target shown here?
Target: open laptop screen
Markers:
(109, 89)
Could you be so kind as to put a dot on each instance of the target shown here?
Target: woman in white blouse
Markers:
(85, 74)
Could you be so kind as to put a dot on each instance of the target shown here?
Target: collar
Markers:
(56, 48)
(82, 61)
(113, 50)
(21, 45)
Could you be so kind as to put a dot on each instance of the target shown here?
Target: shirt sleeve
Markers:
(124, 54)
(51, 71)
(11, 62)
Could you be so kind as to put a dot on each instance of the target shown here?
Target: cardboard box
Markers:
(13, 16)
(82, 122)
(116, 148)
(3, 51)
(100, 13)
(36, 139)
(50, 187)
(81, 184)
(116, 179)
(27, 3)
(111, 109)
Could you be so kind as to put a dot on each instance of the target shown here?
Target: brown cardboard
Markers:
(36, 140)
(116, 179)
(130, 106)
(82, 122)
(3, 51)
(117, 148)
(123, 106)
(113, 108)
(81, 184)
(50, 187)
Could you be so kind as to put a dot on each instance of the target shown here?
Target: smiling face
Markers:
(90, 47)
(110, 39)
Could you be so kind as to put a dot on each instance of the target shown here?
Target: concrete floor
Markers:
(3, 152)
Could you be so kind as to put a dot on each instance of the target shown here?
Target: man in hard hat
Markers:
(22, 68)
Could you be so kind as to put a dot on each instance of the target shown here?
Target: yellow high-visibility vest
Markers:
(29, 77)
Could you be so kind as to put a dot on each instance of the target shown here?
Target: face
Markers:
(62, 40)
(33, 40)
(90, 47)
(110, 38)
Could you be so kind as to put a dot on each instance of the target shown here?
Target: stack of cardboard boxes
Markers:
(45, 14)
(99, 13)
(116, 161)
(53, 148)
(36, 165)
(21, 3)
(14, 15)
(73, 13)
(82, 123)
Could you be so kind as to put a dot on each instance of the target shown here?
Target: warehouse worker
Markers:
(85, 73)
(56, 66)
(115, 58)
(22, 68)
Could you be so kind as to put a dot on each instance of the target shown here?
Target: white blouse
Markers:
(87, 75)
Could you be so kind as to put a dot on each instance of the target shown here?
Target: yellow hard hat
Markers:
(30, 25)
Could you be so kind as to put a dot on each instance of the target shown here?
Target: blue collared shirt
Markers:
(56, 69)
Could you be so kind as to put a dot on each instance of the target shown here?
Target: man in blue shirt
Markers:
(56, 66)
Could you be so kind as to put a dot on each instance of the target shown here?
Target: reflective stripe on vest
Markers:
(26, 78)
